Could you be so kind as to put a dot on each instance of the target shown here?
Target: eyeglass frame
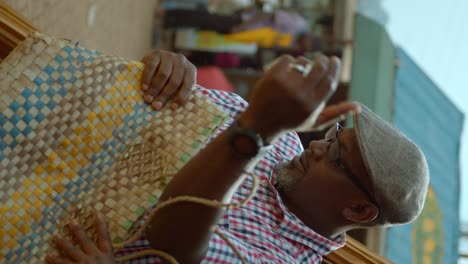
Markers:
(342, 166)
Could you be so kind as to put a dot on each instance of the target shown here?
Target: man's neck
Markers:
(316, 222)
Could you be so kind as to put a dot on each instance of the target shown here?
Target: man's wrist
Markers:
(246, 120)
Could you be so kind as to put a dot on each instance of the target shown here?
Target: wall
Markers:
(390, 83)
(373, 67)
(120, 27)
(426, 115)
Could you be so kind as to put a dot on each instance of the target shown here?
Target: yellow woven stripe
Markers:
(80, 141)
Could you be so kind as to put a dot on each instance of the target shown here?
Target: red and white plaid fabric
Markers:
(263, 230)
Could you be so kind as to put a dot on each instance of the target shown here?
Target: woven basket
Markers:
(75, 134)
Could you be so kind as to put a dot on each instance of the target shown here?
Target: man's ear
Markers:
(361, 211)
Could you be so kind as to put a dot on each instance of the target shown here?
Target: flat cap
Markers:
(397, 167)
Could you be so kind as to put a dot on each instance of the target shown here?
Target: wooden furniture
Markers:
(354, 252)
(13, 29)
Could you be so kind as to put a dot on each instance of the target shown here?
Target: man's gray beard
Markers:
(285, 180)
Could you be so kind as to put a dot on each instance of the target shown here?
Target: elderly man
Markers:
(368, 175)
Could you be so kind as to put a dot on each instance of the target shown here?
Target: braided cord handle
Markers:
(193, 199)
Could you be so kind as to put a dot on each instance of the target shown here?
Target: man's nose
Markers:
(318, 147)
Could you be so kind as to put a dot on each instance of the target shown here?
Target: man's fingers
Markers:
(81, 238)
(66, 248)
(50, 259)
(103, 240)
(189, 82)
(281, 63)
(334, 111)
(270, 65)
(167, 76)
(340, 108)
(159, 79)
(300, 75)
(319, 69)
(151, 64)
(171, 86)
(328, 83)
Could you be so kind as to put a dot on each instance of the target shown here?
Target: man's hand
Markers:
(84, 250)
(167, 76)
(332, 114)
(284, 99)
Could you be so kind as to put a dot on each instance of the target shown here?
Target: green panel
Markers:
(152, 199)
(373, 70)
(117, 240)
(206, 132)
(196, 144)
(217, 120)
(127, 224)
(185, 157)
(140, 211)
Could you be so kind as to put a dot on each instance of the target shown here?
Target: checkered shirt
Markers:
(263, 230)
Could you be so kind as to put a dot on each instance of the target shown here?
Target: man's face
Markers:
(314, 178)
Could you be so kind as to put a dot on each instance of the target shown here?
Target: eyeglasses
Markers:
(333, 155)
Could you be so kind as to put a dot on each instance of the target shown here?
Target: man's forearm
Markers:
(184, 229)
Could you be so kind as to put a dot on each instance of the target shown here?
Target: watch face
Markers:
(244, 142)
(245, 145)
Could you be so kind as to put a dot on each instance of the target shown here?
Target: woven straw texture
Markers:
(75, 134)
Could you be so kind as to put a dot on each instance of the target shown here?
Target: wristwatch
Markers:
(244, 142)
